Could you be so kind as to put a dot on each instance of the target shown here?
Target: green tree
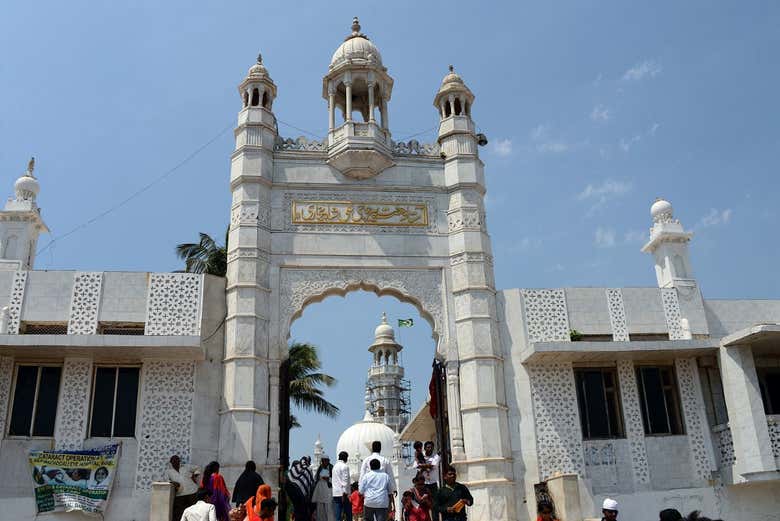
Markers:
(205, 256)
(306, 382)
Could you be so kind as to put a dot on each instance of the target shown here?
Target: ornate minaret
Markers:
(479, 357)
(384, 384)
(21, 222)
(248, 390)
(669, 245)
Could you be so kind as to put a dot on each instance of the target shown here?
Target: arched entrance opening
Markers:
(381, 349)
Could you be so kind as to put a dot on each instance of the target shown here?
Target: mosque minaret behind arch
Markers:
(385, 384)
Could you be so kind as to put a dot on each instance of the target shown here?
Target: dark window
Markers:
(712, 390)
(660, 403)
(255, 97)
(769, 381)
(35, 401)
(265, 99)
(114, 402)
(599, 402)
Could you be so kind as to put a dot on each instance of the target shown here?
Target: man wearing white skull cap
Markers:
(610, 510)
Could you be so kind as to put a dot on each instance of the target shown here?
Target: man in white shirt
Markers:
(341, 488)
(430, 468)
(184, 481)
(202, 510)
(377, 493)
(384, 464)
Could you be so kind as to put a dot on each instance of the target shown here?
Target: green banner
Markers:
(73, 480)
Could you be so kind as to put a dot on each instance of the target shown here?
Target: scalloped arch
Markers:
(420, 287)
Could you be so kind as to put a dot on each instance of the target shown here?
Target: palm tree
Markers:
(205, 256)
(305, 381)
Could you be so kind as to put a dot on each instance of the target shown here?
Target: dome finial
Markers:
(384, 317)
(31, 167)
(452, 68)
(260, 58)
(355, 25)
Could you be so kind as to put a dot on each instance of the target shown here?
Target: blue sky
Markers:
(592, 109)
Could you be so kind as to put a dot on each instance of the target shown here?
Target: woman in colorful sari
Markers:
(215, 484)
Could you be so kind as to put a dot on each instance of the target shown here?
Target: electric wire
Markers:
(173, 170)
(138, 192)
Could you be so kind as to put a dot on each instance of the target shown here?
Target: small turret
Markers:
(21, 222)
(669, 246)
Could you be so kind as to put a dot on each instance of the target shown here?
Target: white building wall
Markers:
(179, 396)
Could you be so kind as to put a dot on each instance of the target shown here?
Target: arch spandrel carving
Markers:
(423, 288)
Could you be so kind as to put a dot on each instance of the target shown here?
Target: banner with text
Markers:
(73, 480)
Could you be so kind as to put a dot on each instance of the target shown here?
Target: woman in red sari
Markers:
(215, 484)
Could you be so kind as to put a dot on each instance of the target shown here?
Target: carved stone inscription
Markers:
(372, 214)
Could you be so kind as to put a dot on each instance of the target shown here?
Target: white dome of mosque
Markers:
(661, 210)
(357, 47)
(384, 330)
(257, 70)
(357, 439)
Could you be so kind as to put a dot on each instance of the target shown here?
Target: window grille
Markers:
(121, 328)
(54, 328)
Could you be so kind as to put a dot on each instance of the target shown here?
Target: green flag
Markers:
(405, 322)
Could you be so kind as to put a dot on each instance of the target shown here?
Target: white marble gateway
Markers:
(654, 396)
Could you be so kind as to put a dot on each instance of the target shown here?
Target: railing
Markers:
(415, 148)
(300, 143)
(385, 369)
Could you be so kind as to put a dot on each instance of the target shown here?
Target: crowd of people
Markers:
(328, 494)
(206, 497)
(609, 510)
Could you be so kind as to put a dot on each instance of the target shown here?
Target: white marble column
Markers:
(747, 419)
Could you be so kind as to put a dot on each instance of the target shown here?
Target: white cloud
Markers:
(553, 147)
(539, 131)
(635, 236)
(545, 144)
(600, 113)
(715, 217)
(647, 68)
(502, 147)
(606, 190)
(626, 144)
(554, 268)
(604, 238)
(653, 129)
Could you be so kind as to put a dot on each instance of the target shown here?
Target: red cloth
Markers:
(357, 502)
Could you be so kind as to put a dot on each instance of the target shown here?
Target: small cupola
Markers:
(358, 83)
(454, 97)
(258, 89)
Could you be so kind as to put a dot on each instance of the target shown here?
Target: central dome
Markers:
(357, 439)
(356, 48)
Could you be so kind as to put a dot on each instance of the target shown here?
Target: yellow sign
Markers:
(347, 212)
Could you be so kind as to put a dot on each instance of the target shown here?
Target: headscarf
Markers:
(300, 476)
(263, 492)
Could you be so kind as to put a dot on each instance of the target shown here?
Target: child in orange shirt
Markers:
(357, 503)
